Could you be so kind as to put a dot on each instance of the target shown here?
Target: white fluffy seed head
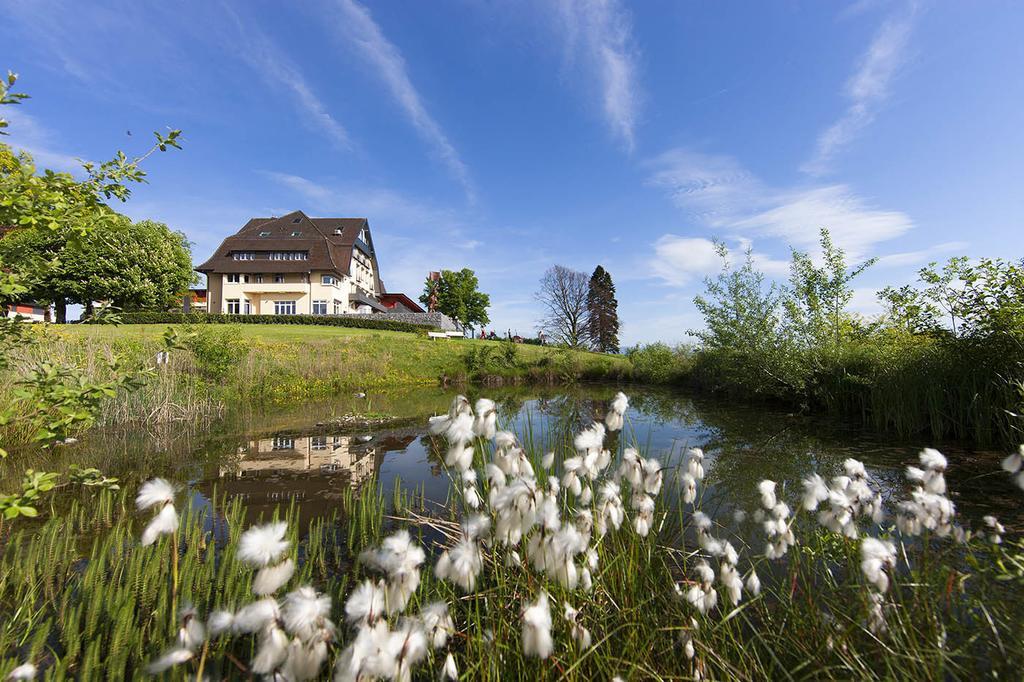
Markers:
(261, 545)
(153, 492)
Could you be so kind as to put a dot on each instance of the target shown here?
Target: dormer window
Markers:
(264, 234)
(243, 255)
(362, 236)
(296, 233)
(296, 220)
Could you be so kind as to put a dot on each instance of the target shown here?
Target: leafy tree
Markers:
(743, 328)
(818, 295)
(131, 265)
(602, 312)
(456, 294)
(563, 293)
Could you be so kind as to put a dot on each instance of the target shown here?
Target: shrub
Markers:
(157, 317)
(659, 363)
(216, 351)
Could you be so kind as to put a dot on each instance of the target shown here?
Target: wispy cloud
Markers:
(866, 90)
(921, 256)
(359, 29)
(27, 134)
(260, 52)
(720, 194)
(599, 34)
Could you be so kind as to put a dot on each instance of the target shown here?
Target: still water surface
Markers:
(308, 454)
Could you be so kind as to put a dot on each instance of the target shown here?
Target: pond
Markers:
(311, 453)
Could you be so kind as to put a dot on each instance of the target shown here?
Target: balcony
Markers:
(257, 288)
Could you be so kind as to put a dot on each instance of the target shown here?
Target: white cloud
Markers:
(600, 32)
(259, 51)
(866, 90)
(721, 194)
(359, 29)
(798, 217)
(677, 260)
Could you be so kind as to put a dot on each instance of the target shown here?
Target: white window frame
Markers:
(234, 278)
(246, 307)
(319, 307)
(285, 308)
(233, 303)
(328, 280)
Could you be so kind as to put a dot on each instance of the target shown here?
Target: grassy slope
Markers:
(283, 364)
(378, 357)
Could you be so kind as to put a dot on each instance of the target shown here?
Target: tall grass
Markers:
(80, 596)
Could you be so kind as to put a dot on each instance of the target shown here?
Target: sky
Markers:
(511, 136)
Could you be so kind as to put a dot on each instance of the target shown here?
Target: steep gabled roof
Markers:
(329, 242)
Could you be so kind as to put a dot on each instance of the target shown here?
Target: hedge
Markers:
(156, 317)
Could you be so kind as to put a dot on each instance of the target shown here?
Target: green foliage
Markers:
(156, 317)
(456, 295)
(53, 401)
(216, 351)
(59, 401)
(131, 265)
(944, 359)
(659, 363)
(602, 312)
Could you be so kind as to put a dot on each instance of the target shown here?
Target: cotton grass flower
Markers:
(156, 491)
(995, 529)
(366, 603)
(694, 463)
(614, 419)
(485, 424)
(461, 564)
(1014, 464)
(164, 523)
(407, 646)
(168, 660)
(261, 545)
(536, 628)
(450, 671)
(255, 616)
(580, 634)
(877, 557)
(270, 579)
(437, 623)
(305, 614)
(702, 595)
(25, 671)
(271, 650)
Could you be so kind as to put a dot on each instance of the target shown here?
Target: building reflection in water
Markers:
(312, 470)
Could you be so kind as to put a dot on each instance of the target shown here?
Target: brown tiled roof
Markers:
(327, 250)
(403, 299)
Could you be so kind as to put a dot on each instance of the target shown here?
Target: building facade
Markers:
(295, 265)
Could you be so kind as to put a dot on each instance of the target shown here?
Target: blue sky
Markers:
(510, 136)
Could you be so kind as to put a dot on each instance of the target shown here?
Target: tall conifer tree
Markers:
(602, 312)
